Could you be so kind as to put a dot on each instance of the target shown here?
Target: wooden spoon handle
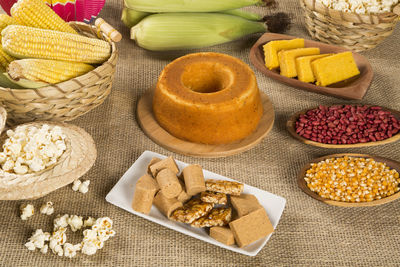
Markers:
(109, 30)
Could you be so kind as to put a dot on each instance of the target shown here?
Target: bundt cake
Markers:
(207, 98)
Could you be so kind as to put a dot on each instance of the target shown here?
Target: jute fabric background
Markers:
(310, 233)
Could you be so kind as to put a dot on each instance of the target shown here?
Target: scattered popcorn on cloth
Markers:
(82, 187)
(27, 210)
(93, 238)
(37, 240)
(361, 6)
(47, 208)
(61, 221)
(32, 149)
(75, 222)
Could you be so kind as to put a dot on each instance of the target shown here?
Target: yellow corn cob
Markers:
(5, 59)
(35, 13)
(6, 20)
(26, 42)
(47, 71)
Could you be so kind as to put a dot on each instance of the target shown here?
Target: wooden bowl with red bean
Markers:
(345, 126)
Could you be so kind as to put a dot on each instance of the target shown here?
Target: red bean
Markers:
(347, 124)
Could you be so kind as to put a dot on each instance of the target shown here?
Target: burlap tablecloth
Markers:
(309, 233)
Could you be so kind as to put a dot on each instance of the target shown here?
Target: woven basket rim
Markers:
(95, 72)
(372, 18)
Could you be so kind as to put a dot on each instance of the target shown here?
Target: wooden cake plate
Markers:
(155, 132)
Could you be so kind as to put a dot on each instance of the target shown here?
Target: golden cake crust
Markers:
(207, 98)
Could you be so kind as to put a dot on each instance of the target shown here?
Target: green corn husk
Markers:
(156, 6)
(174, 31)
(131, 17)
(7, 82)
(243, 14)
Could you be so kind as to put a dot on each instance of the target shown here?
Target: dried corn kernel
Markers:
(351, 179)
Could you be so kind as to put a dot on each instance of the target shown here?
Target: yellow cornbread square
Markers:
(335, 68)
(272, 48)
(303, 67)
(287, 59)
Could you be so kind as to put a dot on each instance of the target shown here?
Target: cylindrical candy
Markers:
(194, 179)
(169, 183)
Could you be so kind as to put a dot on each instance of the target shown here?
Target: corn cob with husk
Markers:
(157, 6)
(35, 13)
(174, 31)
(26, 42)
(131, 17)
(35, 73)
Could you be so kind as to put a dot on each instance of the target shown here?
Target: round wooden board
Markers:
(161, 137)
(303, 184)
(291, 123)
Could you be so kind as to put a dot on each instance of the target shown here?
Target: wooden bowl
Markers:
(353, 88)
(303, 184)
(291, 127)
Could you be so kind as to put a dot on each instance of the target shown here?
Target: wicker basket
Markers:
(353, 31)
(67, 100)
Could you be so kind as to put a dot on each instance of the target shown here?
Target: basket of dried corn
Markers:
(58, 71)
(355, 25)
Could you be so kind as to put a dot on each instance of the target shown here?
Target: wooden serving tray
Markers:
(353, 88)
(291, 127)
(155, 132)
(303, 184)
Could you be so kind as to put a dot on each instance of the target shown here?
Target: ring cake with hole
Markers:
(208, 98)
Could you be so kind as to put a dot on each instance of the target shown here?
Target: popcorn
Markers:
(59, 236)
(61, 221)
(93, 239)
(47, 208)
(37, 240)
(89, 234)
(82, 187)
(75, 222)
(44, 249)
(361, 6)
(89, 248)
(76, 184)
(27, 211)
(103, 223)
(31, 149)
(70, 250)
(89, 222)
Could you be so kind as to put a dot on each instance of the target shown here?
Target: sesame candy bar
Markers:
(191, 211)
(227, 187)
(214, 197)
(216, 217)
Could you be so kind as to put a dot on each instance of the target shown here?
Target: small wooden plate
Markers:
(155, 132)
(353, 88)
(291, 127)
(303, 184)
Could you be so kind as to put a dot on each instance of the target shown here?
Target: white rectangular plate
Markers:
(122, 193)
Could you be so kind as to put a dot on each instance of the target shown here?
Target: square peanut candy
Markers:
(244, 204)
(251, 227)
(222, 234)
